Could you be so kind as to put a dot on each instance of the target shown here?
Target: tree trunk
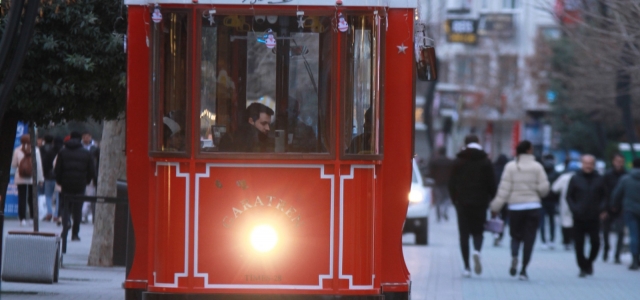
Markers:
(112, 167)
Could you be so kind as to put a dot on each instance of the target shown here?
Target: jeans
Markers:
(441, 193)
(548, 210)
(25, 194)
(49, 193)
(470, 225)
(74, 210)
(613, 224)
(523, 227)
(581, 228)
(633, 223)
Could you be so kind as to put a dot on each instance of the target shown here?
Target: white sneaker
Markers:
(466, 273)
(23, 223)
(477, 265)
(544, 246)
(551, 246)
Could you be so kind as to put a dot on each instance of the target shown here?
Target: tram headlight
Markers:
(263, 238)
(415, 196)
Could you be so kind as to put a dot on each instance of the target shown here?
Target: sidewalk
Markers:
(436, 271)
(76, 279)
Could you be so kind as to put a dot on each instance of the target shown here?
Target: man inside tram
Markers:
(361, 144)
(253, 135)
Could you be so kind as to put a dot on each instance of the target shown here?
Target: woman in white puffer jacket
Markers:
(523, 183)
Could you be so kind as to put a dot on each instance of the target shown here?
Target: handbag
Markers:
(494, 225)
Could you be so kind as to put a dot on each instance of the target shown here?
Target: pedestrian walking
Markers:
(626, 199)
(74, 169)
(549, 204)
(566, 218)
(613, 221)
(440, 170)
(49, 153)
(498, 169)
(585, 196)
(89, 208)
(523, 183)
(472, 186)
(23, 178)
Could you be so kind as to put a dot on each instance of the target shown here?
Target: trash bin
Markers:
(31, 257)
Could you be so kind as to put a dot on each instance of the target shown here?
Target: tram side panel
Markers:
(137, 144)
(396, 170)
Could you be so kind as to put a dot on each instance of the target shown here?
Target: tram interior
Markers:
(285, 63)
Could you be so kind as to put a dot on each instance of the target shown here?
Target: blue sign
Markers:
(11, 201)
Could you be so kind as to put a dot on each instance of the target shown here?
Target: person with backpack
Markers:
(21, 162)
(613, 221)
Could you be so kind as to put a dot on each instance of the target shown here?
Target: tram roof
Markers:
(347, 3)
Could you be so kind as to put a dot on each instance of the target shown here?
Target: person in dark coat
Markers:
(626, 198)
(440, 171)
(549, 204)
(472, 186)
(613, 221)
(74, 169)
(586, 199)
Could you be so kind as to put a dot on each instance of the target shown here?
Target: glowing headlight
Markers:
(263, 238)
(415, 196)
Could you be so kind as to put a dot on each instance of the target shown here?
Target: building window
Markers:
(443, 71)
(510, 4)
(465, 70)
(483, 71)
(508, 70)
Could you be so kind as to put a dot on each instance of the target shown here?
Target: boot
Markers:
(635, 263)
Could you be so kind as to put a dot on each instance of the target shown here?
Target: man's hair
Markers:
(472, 138)
(48, 139)
(255, 109)
(590, 156)
(75, 135)
(617, 154)
(636, 163)
(86, 132)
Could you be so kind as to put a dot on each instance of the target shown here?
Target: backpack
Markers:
(25, 167)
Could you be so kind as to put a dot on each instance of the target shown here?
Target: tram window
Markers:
(170, 89)
(361, 133)
(265, 84)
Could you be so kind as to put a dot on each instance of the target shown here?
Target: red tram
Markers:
(268, 148)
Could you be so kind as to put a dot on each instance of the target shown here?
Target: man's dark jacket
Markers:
(74, 167)
(246, 139)
(585, 196)
(440, 170)
(472, 180)
(610, 180)
(48, 154)
(626, 195)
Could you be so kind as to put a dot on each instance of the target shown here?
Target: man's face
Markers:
(86, 138)
(588, 164)
(262, 123)
(618, 163)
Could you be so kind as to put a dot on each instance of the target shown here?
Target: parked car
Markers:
(419, 198)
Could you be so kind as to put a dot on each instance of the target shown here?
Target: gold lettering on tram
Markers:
(290, 212)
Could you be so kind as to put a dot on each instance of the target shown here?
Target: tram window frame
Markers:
(157, 79)
(377, 84)
(327, 71)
